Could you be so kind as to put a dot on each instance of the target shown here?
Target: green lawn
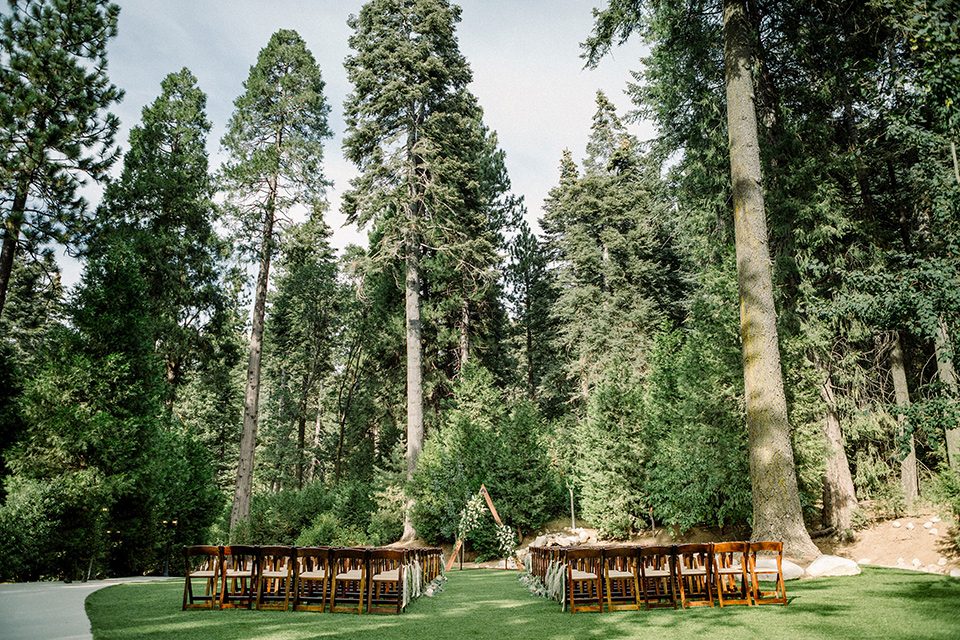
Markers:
(881, 603)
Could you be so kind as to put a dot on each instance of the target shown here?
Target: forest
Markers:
(222, 373)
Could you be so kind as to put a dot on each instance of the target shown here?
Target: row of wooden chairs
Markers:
(685, 575)
(350, 579)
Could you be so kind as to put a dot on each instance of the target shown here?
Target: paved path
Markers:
(50, 610)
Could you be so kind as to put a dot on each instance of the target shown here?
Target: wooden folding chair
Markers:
(731, 573)
(585, 579)
(312, 578)
(621, 577)
(695, 574)
(349, 587)
(767, 548)
(274, 577)
(658, 577)
(201, 563)
(387, 588)
(238, 576)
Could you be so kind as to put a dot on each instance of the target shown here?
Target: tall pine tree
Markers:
(275, 146)
(416, 134)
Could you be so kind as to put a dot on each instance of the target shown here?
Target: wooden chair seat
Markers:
(387, 576)
(577, 574)
(352, 574)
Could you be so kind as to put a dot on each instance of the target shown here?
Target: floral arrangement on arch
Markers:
(507, 540)
(470, 516)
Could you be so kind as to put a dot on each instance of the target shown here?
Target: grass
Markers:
(878, 604)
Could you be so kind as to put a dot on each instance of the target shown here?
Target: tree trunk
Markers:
(414, 367)
(909, 478)
(464, 333)
(528, 330)
(948, 376)
(777, 513)
(316, 437)
(302, 426)
(251, 402)
(839, 495)
(11, 236)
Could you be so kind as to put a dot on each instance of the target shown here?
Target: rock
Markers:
(916, 562)
(863, 561)
(942, 562)
(955, 573)
(932, 568)
(790, 570)
(899, 561)
(429, 592)
(539, 542)
(927, 525)
(932, 532)
(910, 526)
(825, 566)
(896, 525)
(934, 519)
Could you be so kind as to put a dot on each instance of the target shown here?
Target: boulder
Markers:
(791, 571)
(825, 566)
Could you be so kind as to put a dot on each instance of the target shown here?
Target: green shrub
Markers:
(322, 532)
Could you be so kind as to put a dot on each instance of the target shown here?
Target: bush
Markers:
(50, 529)
(279, 518)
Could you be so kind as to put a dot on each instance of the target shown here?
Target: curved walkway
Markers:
(50, 610)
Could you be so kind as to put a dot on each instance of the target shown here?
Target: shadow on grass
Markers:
(879, 604)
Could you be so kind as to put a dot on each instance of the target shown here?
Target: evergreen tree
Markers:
(618, 274)
(162, 205)
(430, 180)
(300, 337)
(275, 147)
(531, 294)
(54, 93)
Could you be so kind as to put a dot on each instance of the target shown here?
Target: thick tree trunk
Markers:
(776, 498)
(251, 402)
(839, 495)
(414, 369)
(11, 236)
(909, 478)
(948, 376)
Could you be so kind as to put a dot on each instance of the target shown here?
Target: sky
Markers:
(525, 56)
